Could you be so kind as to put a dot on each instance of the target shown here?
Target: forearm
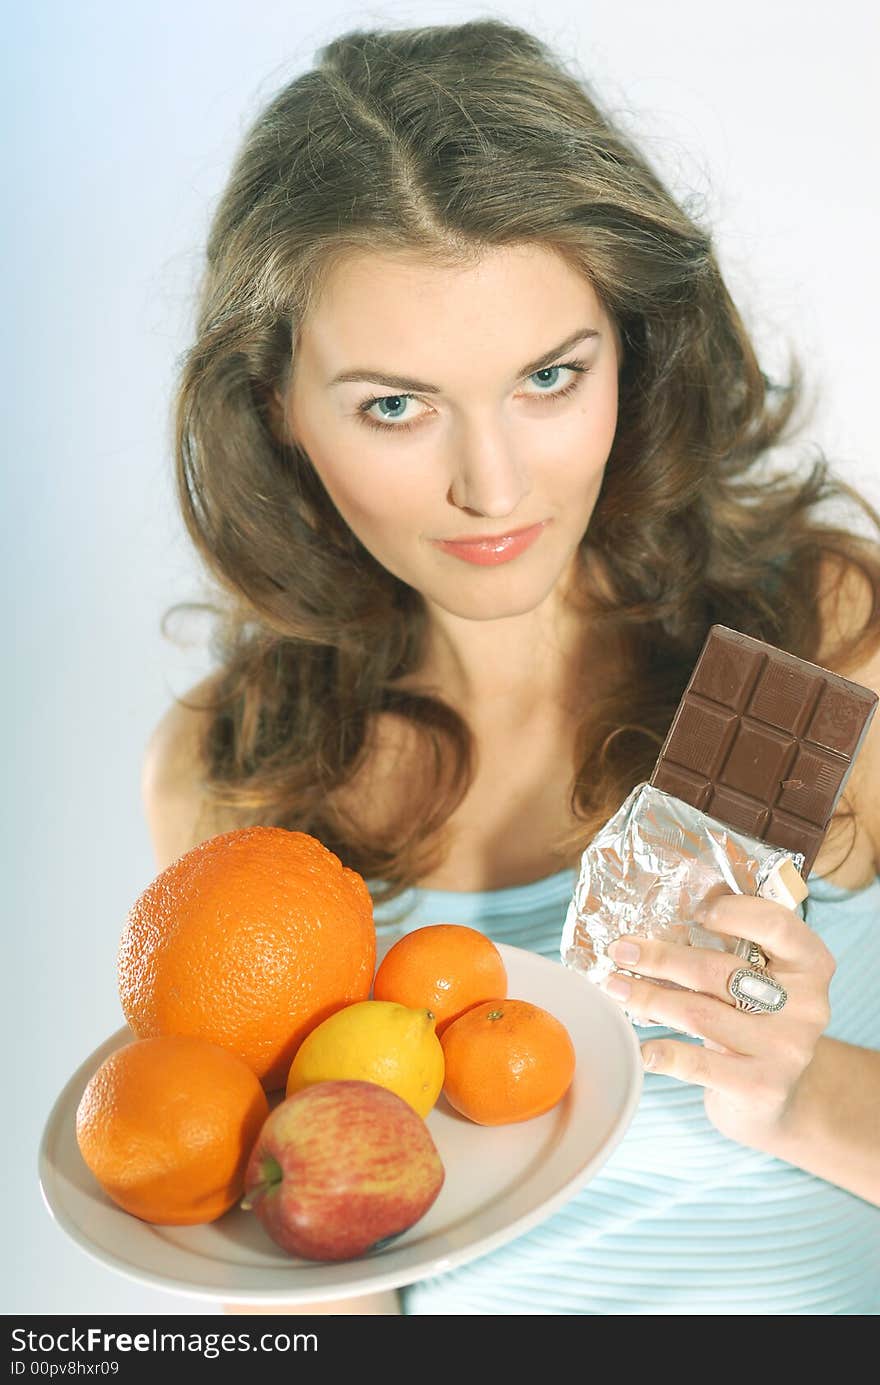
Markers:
(832, 1128)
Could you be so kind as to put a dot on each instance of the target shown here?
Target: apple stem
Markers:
(271, 1171)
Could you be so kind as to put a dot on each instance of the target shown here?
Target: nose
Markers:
(488, 478)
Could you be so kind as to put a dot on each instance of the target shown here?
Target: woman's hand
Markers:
(750, 1064)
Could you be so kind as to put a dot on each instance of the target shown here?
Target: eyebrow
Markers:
(406, 382)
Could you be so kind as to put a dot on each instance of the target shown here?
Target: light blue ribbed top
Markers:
(680, 1220)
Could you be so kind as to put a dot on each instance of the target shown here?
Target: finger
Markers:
(700, 969)
(697, 968)
(778, 931)
(691, 1012)
(723, 1072)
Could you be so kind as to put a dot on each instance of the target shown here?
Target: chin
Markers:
(482, 600)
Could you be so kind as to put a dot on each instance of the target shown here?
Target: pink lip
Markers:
(501, 548)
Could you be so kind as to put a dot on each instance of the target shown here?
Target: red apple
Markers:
(340, 1168)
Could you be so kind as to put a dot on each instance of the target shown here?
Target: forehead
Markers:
(512, 301)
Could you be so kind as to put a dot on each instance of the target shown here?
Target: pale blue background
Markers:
(120, 125)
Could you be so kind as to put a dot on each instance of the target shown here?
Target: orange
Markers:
(249, 940)
(167, 1126)
(506, 1061)
(445, 968)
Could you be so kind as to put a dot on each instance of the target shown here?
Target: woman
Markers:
(473, 439)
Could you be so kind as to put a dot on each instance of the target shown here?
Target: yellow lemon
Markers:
(375, 1041)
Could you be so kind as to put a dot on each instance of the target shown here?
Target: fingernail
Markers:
(617, 986)
(622, 950)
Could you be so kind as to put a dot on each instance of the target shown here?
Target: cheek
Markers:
(599, 412)
(373, 494)
(578, 450)
(383, 506)
(361, 491)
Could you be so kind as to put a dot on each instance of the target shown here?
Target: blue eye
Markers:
(397, 401)
(548, 370)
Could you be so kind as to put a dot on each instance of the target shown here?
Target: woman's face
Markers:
(495, 392)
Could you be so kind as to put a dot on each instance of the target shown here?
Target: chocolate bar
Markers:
(764, 742)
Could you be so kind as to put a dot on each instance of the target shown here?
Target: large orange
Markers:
(167, 1126)
(506, 1061)
(445, 968)
(249, 940)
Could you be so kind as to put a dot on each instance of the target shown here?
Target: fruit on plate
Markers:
(249, 940)
(443, 967)
(341, 1168)
(166, 1126)
(506, 1061)
(374, 1041)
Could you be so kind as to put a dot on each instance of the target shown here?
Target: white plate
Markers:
(500, 1180)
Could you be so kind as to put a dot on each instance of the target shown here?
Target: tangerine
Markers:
(443, 967)
(506, 1061)
(167, 1125)
(249, 940)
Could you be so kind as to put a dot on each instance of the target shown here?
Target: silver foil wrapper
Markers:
(649, 869)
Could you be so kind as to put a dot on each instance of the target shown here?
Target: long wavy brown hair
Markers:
(445, 142)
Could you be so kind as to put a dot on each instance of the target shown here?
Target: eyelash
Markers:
(580, 367)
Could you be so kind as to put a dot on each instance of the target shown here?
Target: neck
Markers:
(503, 672)
(507, 673)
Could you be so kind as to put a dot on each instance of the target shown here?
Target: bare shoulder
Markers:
(172, 778)
(846, 603)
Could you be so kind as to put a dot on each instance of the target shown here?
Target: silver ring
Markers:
(751, 954)
(756, 958)
(756, 992)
